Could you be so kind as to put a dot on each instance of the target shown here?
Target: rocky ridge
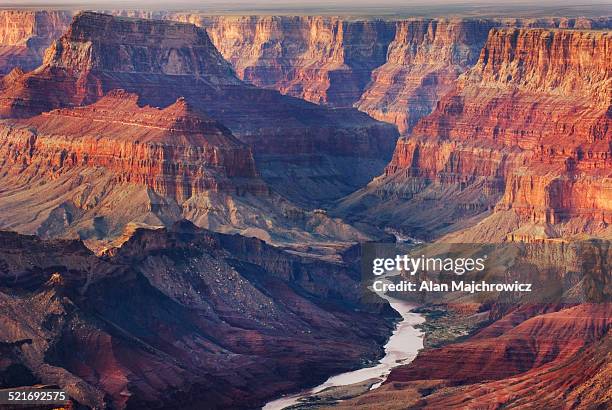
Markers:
(219, 326)
(95, 171)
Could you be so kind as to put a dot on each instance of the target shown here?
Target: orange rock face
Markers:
(24, 36)
(396, 71)
(528, 128)
(546, 93)
(175, 151)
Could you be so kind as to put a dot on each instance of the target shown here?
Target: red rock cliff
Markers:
(533, 116)
(24, 35)
(176, 151)
(422, 64)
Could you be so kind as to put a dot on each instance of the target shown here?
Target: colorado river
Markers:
(401, 348)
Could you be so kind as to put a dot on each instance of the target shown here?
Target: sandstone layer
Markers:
(24, 36)
(525, 133)
(423, 62)
(177, 317)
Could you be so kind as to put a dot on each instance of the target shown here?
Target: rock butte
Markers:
(100, 53)
(176, 151)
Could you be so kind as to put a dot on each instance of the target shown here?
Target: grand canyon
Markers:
(187, 198)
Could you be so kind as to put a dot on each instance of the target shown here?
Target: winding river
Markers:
(401, 348)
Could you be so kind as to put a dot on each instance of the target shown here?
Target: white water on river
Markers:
(401, 348)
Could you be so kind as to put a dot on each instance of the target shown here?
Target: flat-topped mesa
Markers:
(100, 53)
(177, 152)
(325, 60)
(423, 63)
(107, 43)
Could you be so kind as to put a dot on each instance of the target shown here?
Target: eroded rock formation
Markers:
(175, 151)
(162, 61)
(526, 131)
(24, 36)
(562, 355)
(95, 171)
(324, 60)
(178, 317)
(423, 63)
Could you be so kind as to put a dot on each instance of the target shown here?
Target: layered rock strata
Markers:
(162, 61)
(176, 151)
(324, 60)
(526, 132)
(24, 36)
(96, 171)
(423, 62)
(566, 361)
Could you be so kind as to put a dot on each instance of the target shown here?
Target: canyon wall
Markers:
(162, 61)
(324, 60)
(423, 62)
(525, 133)
(396, 71)
(175, 151)
(565, 363)
(24, 36)
(98, 171)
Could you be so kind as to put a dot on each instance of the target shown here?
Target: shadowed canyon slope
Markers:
(177, 318)
(91, 171)
(24, 36)
(218, 153)
(525, 132)
(162, 61)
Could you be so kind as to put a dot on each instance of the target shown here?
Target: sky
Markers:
(383, 7)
